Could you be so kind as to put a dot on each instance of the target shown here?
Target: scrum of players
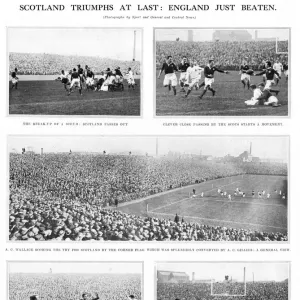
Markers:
(85, 79)
(238, 193)
(191, 78)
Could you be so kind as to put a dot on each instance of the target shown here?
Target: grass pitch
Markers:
(50, 98)
(229, 99)
(262, 214)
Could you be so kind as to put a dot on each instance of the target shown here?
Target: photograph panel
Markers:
(74, 71)
(222, 280)
(75, 280)
(148, 188)
(222, 72)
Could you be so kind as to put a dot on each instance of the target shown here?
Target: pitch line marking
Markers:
(190, 198)
(217, 220)
(71, 101)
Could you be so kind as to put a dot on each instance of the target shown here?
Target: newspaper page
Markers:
(150, 150)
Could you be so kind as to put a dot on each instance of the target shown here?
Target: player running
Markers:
(193, 76)
(182, 67)
(245, 74)
(75, 81)
(279, 68)
(209, 71)
(270, 73)
(14, 79)
(170, 77)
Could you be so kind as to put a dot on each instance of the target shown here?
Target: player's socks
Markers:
(174, 90)
(203, 93)
(248, 84)
(243, 82)
(201, 85)
(169, 87)
(187, 92)
(212, 90)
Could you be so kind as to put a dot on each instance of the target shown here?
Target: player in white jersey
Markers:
(193, 76)
(279, 68)
(256, 94)
(130, 79)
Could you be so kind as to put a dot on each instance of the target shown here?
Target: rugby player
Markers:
(193, 76)
(14, 79)
(170, 77)
(209, 71)
(81, 75)
(75, 81)
(119, 76)
(245, 76)
(270, 73)
(64, 79)
(182, 67)
(256, 94)
(90, 76)
(277, 66)
(130, 79)
(285, 68)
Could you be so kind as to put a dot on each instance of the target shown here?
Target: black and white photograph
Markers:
(148, 188)
(38, 280)
(222, 72)
(223, 281)
(74, 71)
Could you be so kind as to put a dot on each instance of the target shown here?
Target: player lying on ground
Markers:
(209, 71)
(170, 77)
(262, 96)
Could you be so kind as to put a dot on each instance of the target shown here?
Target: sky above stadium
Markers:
(217, 271)
(263, 147)
(110, 43)
(76, 268)
(206, 34)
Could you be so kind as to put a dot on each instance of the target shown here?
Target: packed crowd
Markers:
(263, 168)
(72, 286)
(197, 291)
(52, 64)
(64, 197)
(228, 55)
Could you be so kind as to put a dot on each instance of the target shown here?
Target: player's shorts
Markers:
(269, 84)
(14, 80)
(64, 80)
(76, 82)
(89, 81)
(271, 100)
(170, 79)
(245, 76)
(131, 80)
(193, 82)
(208, 81)
(182, 76)
(286, 73)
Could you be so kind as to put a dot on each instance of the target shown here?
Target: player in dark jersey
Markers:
(81, 75)
(89, 75)
(170, 77)
(266, 98)
(285, 68)
(270, 73)
(245, 77)
(14, 79)
(209, 71)
(182, 67)
(75, 81)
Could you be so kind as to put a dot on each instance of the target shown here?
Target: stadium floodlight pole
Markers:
(245, 281)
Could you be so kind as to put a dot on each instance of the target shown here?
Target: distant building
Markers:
(231, 35)
(172, 277)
